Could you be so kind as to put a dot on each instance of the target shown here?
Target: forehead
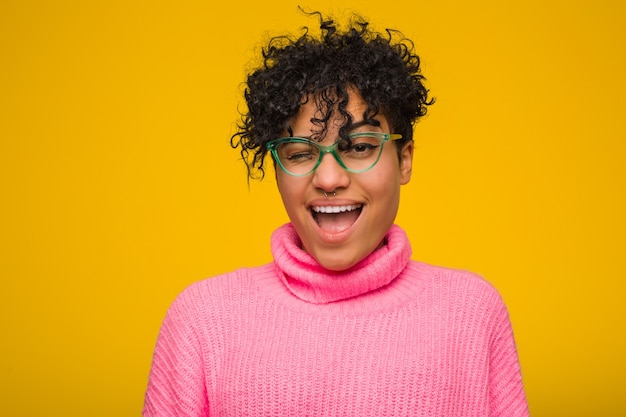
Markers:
(313, 115)
(316, 105)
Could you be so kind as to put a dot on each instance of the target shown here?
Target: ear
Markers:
(406, 162)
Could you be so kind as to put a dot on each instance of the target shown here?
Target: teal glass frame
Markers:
(272, 146)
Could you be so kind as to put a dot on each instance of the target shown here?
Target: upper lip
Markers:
(335, 208)
(334, 204)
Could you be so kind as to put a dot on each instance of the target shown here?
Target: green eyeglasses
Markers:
(358, 153)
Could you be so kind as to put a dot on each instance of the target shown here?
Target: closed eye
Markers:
(295, 157)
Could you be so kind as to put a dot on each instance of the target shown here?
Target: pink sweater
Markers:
(389, 337)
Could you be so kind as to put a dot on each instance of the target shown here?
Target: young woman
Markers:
(342, 322)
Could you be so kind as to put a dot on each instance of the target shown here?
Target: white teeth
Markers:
(335, 209)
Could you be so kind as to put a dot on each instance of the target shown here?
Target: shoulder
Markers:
(450, 277)
(218, 293)
(456, 286)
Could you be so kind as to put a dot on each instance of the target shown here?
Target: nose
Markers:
(329, 175)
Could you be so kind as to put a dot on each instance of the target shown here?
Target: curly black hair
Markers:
(383, 68)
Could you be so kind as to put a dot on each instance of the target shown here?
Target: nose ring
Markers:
(326, 194)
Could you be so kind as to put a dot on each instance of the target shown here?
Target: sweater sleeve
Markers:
(176, 386)
(506, 391)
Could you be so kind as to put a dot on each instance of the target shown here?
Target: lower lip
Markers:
(337, 237)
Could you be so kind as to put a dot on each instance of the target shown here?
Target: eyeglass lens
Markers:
(357, 153)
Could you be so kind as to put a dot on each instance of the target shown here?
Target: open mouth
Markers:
(336, 218)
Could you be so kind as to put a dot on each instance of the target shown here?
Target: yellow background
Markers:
(118, 186)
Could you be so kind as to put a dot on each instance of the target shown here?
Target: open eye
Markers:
(363, 147)
(359, 145)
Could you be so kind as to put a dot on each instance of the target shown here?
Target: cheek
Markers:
(384, 181)
(283, 183)
(291, 190)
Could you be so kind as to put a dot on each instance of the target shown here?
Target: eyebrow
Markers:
(351, 127)
(364, 122)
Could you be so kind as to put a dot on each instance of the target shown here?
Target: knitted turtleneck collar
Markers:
(309, 281)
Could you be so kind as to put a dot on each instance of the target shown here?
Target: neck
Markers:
(309, 281)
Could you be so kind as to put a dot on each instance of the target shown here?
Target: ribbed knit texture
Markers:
(389, 337)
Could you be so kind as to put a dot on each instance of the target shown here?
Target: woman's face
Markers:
(340, 240)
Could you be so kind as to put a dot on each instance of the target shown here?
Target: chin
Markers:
(336, 264)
